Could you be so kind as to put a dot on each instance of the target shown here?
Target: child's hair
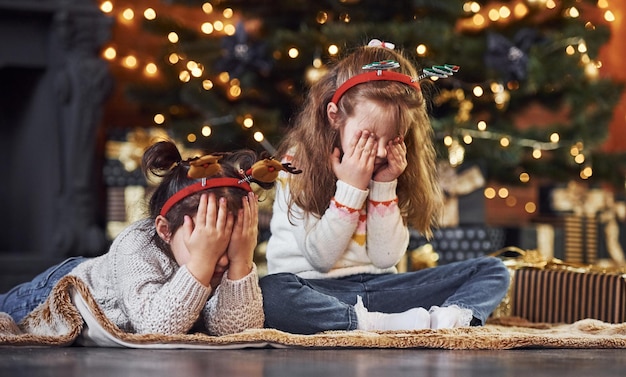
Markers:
(164, 160)
(313, 139)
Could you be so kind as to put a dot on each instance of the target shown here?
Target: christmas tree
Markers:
(528, 100)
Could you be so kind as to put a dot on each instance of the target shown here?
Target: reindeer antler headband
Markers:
(380, 71)
(202, 168)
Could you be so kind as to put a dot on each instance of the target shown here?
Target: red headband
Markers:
(203, 185)
(377, 75)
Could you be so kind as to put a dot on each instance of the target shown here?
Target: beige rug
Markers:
(71, 317)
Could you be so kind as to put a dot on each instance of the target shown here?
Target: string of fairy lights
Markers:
(213, 23)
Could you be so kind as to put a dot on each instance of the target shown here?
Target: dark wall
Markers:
(53, 85)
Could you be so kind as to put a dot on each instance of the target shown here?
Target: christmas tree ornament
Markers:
(510, 58)
(245, 51)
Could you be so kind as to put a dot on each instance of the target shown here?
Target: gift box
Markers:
(464, 201)
(459, 243)
(552, 291)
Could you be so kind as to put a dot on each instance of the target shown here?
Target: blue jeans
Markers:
(24, 298)
(308, 306)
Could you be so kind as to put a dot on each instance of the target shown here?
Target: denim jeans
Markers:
(24, 298)
(308, 306)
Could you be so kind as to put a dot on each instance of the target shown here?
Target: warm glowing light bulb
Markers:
(151, 69)
(223, 77)
(609, 16)
(230, 29)
(159, 118)
(106, 7)
(172, 37)
(536, 153)
(524, 177)
(235, 91)
(206, 131)
(293, 53)
(248, 122)
(554, 137)
(321, 18)
(258, 136)
(109, 53)
(130, 61)
(333, 49)
(478, 20)
(494, 15)
(580, 158)
(173, 58)
(149, 14)
(184, 76)
(207, 8)
(520, 10)
(206, 28)
(128, 14)
(207, 84)
(504, 12)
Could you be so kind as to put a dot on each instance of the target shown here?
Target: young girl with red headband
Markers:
(189, 264)
(365, 145)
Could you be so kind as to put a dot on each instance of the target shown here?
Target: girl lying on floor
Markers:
(188, 265)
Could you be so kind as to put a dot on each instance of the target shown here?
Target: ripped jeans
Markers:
(307, 306)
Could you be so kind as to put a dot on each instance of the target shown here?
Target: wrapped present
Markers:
(552, 291)
(544, 236)
(592, 221)
(464, 203)
(462, 242)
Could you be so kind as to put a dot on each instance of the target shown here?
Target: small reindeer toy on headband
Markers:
(206, 167)
(267, 170)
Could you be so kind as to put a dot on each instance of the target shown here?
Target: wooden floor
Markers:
(78, 361)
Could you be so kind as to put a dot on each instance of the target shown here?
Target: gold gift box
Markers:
(553, 291)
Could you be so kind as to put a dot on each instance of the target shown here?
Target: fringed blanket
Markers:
(71, 316)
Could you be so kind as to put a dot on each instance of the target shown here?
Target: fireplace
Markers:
(53, 87)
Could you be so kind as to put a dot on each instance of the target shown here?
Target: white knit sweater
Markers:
(361, 232)
(143, 290)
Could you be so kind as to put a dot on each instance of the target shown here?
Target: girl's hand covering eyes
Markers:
(207, 236)
(396, 161)
(244, 238)
(357, 164)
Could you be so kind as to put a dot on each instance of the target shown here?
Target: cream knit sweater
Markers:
(143, 290)
(362, 231)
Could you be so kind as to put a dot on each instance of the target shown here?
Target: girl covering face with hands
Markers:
(187, 266)
(364, 143)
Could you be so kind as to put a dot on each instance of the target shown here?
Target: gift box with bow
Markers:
(553, 291)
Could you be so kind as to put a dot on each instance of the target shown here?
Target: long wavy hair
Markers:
(312, 139)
